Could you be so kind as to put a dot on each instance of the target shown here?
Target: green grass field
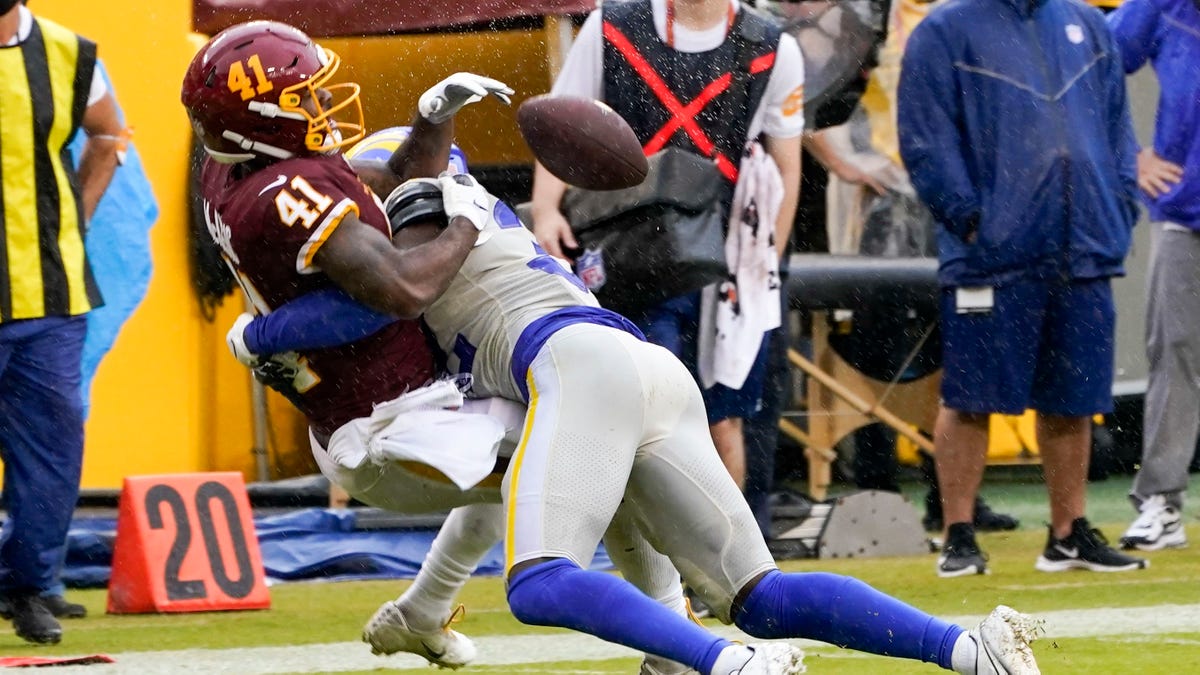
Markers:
(1140, 622)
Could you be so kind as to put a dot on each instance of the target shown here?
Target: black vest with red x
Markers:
(684, 100)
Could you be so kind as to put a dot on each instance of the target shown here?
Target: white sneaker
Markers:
(387, 632)
(1003, 641)
(765, 658)
(1159, 525)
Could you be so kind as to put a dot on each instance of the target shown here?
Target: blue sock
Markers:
(559, 593)
(844, 611)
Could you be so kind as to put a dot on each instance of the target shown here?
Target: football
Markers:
(582, 141)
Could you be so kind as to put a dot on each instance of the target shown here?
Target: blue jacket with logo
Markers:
(1167, 33)
(1015, 129)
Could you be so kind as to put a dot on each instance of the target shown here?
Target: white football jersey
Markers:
(506, 283)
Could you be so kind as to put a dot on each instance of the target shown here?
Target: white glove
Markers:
(463, 196)
(236, 340)
(441, 101)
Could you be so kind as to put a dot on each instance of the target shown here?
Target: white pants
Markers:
(611, 418)
(406, 485)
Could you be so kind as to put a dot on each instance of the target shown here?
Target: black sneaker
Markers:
(59, 606)
(63, 608)
(1085, 549)
(960, 554)
(986, 520)
(32, 621)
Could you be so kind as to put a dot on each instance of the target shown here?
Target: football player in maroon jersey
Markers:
(290, 216)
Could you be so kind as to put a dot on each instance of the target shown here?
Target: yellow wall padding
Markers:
(1011, 438)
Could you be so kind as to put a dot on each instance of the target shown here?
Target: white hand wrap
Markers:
(463, 196)
(235, 339)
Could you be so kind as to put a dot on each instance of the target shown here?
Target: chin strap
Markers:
(247, 144)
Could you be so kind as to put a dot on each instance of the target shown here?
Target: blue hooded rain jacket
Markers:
(1014, 126)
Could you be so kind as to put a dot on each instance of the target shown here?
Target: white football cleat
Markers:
(764, 658)
(387, 632)
(1003, 640)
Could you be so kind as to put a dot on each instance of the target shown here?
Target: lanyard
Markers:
(671, 22)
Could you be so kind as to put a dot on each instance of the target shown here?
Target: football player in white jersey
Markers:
(612, 418)
(384, 459)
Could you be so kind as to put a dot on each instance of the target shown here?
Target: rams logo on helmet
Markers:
(381, 144)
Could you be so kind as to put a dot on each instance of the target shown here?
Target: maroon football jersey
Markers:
(270, 225)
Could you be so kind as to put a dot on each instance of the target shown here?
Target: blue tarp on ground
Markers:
(309, 544)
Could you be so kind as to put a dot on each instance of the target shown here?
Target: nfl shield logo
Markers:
(590, 268)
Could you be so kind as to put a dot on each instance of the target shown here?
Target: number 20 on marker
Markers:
(186, 542)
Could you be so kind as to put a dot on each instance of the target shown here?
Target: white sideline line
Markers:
(532, 649)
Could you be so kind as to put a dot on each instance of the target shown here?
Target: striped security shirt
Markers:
(44, 84)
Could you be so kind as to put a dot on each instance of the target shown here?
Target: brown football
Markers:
(582, 141)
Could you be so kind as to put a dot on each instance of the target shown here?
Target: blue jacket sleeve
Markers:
(1134, 25)
(931, 138)
(317, 320)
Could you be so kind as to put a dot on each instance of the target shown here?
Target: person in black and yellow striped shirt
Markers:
(49, 90)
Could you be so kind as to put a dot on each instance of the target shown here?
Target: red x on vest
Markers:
(682, 116)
